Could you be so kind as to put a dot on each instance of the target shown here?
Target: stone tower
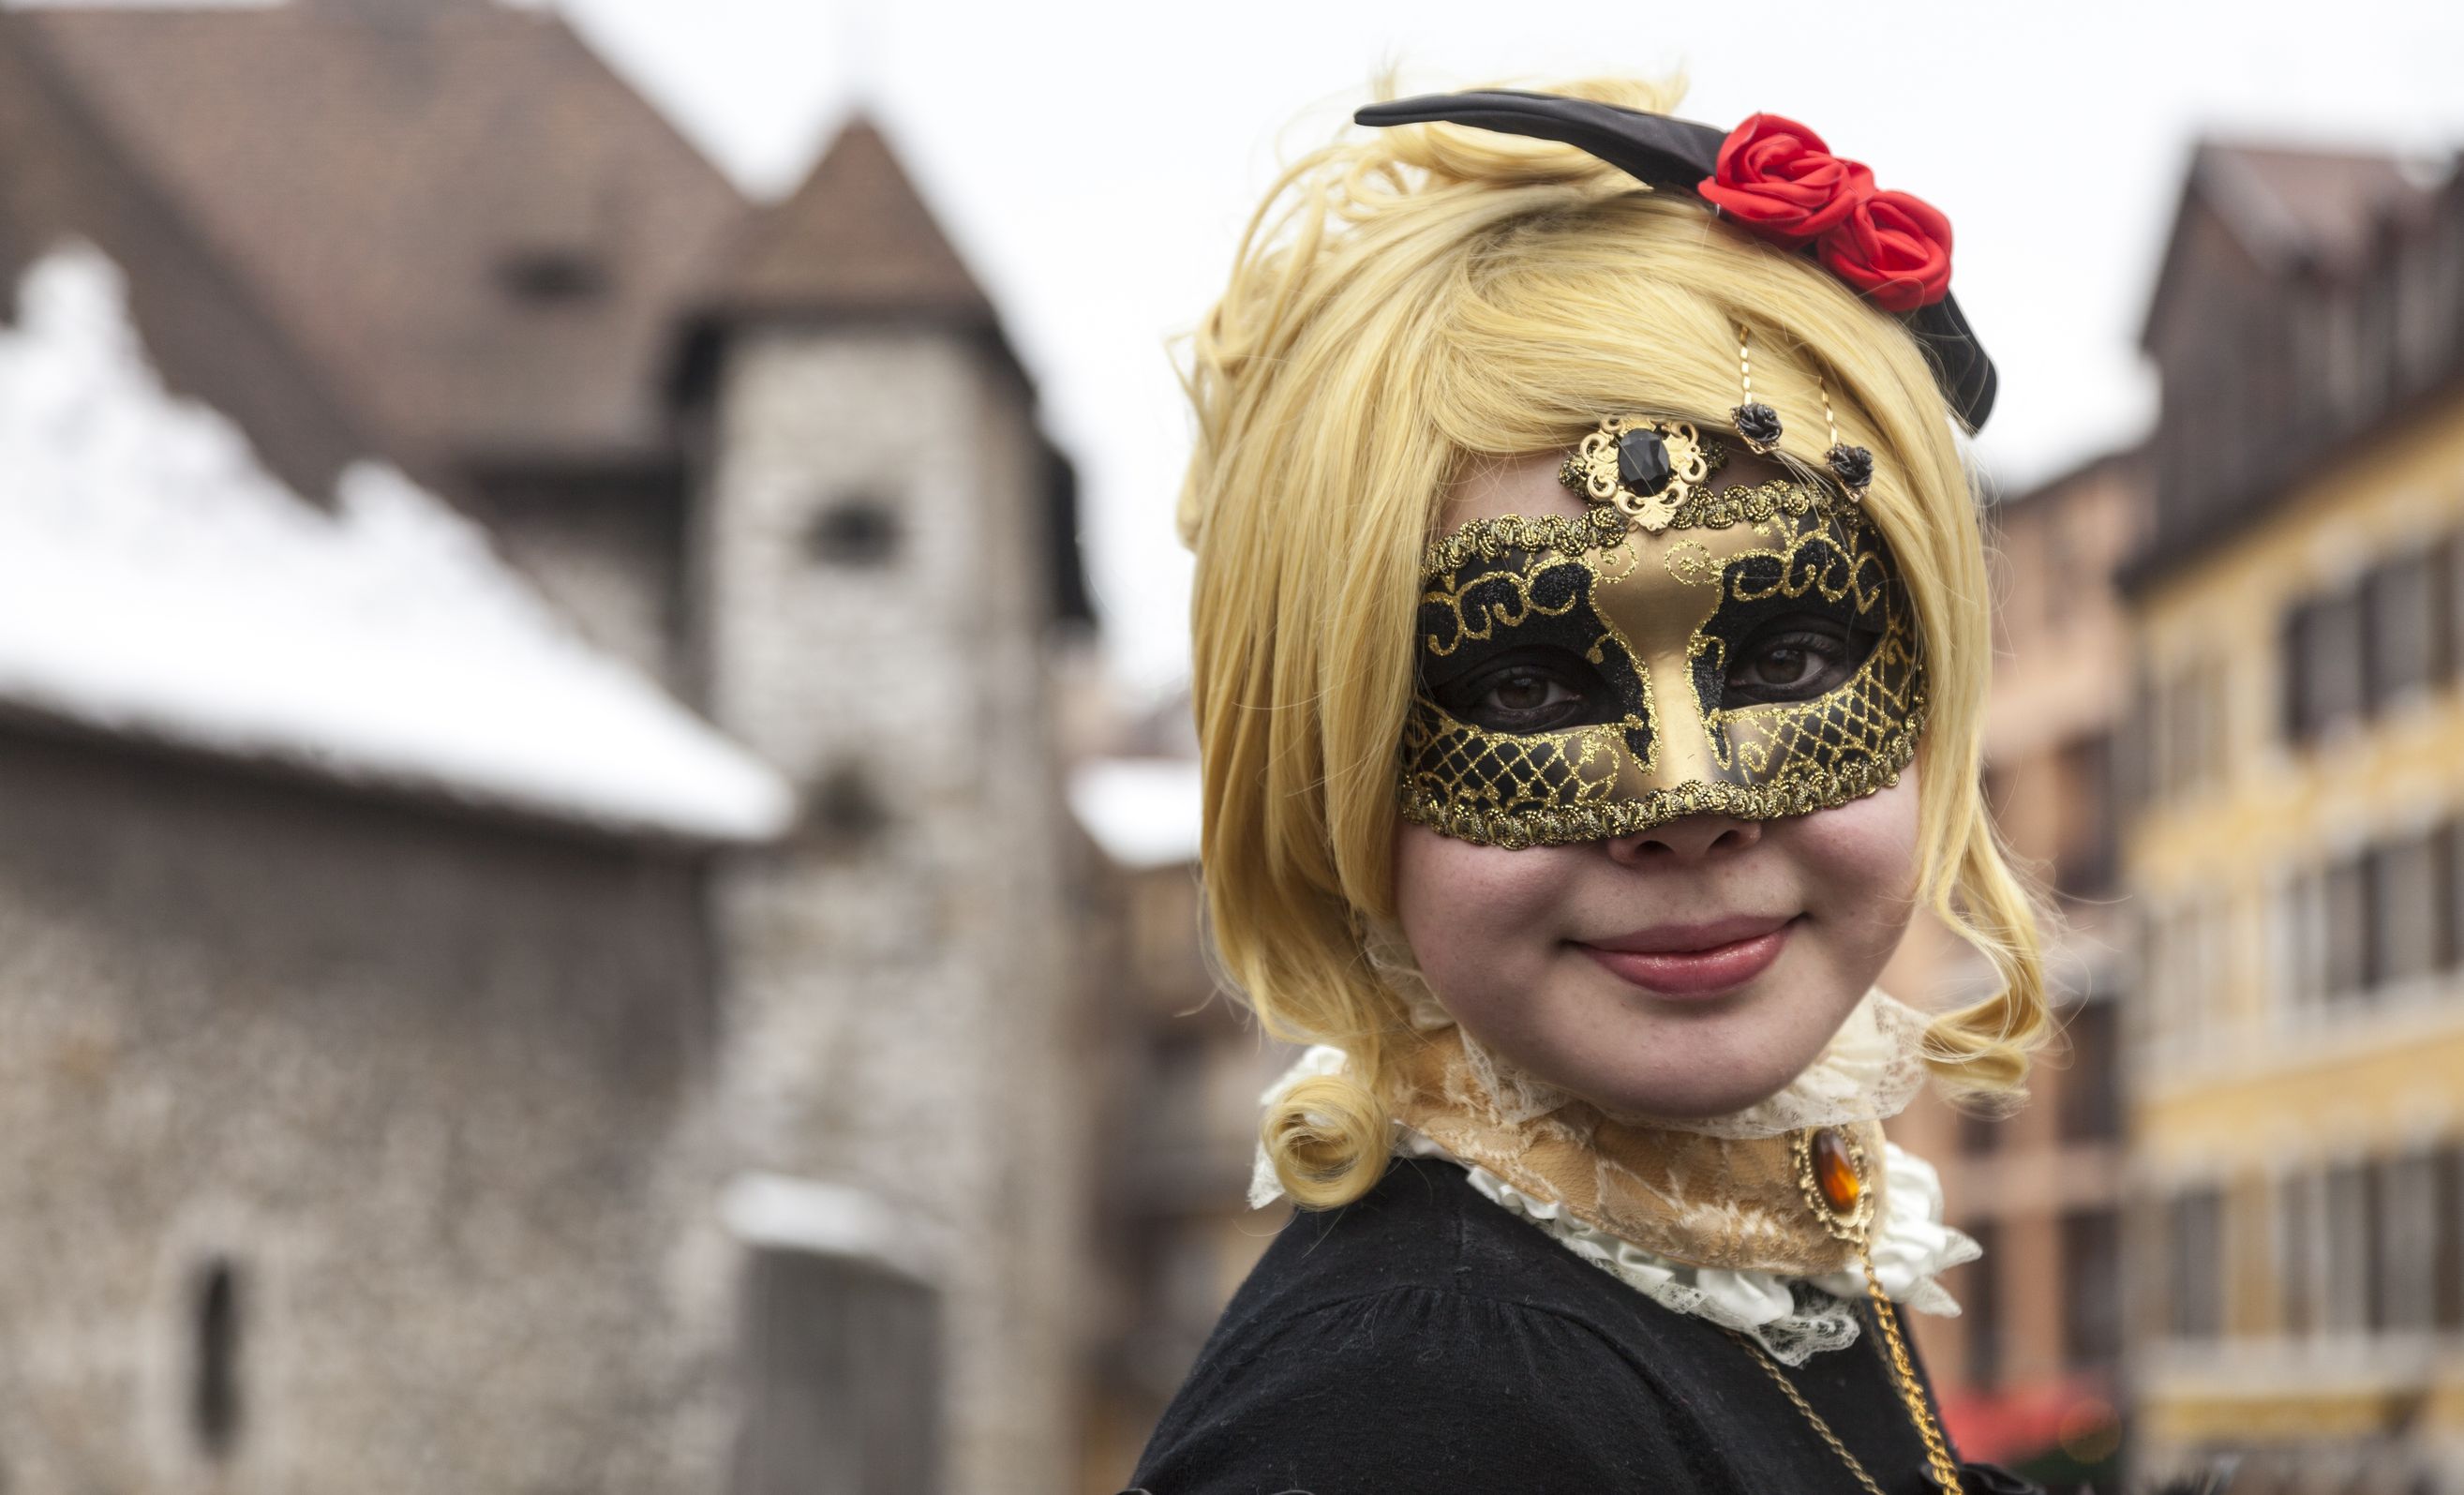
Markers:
(881, 558)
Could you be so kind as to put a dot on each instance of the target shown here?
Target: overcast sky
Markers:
(1094, 162)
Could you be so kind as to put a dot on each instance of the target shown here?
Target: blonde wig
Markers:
(1412, 302)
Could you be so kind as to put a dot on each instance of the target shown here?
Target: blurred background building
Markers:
(575, 912)
(2036, 1355)
(1179, 1070)
(2227, 733)
(535, 886)
(2295, 841)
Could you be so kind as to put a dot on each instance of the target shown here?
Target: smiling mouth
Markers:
(1694, 963)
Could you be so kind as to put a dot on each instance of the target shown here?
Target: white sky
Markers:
(1094, 162)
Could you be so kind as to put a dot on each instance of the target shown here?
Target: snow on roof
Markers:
(155, 579)
(1142, 811)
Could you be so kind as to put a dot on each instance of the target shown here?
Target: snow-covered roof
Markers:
(155, 579)
(1141, 811)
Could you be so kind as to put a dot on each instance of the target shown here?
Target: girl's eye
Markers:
(1525, 692)
(1519, 697)
(1794, 662)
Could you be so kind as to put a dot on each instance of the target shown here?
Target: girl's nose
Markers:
(1688, 839)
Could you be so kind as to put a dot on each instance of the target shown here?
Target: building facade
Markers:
(628, 1042)
(2029, 1369)
(2296, 1059)
(1184, 1066)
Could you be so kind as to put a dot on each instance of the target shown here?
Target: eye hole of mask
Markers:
(1796, 656)
(1529, 690)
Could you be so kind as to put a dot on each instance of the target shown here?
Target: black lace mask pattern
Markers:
(1639, 639)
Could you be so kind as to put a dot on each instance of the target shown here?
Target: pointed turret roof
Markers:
(855, 239)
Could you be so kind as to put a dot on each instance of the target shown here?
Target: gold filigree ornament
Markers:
(1642, 468)
(1832, 1172)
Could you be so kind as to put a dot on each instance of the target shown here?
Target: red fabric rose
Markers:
(1894, 248)
(1777, 178)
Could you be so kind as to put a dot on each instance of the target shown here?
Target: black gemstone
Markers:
(1642, 462)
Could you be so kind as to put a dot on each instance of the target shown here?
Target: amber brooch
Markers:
(1642, 468)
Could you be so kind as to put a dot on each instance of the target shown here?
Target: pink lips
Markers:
(1693, 961)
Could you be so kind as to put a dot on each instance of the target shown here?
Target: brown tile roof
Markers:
(855, 239)
(2319, 206)
(478, 233)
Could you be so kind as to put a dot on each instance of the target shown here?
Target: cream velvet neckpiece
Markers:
(1703, 1216)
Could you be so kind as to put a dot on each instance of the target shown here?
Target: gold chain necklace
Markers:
(1856, 1466)
(1831, 1173)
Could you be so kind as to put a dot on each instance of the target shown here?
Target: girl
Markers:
(1591, 642)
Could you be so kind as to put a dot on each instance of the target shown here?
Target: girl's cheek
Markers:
(1861, 857)
(1462, 904)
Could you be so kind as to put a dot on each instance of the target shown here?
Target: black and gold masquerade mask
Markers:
(1679, 648)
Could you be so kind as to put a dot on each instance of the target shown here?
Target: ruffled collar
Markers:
(1702, 1216)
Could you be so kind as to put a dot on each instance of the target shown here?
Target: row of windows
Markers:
(2349, 931)
(2395, 632)
(2390, 913)
(2090, 1272)
(2354, 1248)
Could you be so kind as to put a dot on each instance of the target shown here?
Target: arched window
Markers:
(216, 1403)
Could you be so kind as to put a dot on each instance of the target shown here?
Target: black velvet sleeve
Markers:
(1414, 1388)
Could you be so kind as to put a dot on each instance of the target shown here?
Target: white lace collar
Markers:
(1792, 1318)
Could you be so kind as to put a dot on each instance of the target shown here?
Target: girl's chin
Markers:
(1686, 1100)
(1697, 1070)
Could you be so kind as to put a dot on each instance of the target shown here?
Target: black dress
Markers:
(1423, 1339)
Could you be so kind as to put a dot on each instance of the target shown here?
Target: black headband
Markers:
(1678, 154)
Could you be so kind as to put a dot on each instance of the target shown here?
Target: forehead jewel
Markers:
(1892, 247)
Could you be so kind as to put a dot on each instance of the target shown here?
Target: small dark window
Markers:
(1978, 1291)
(2352, 1275)
(2405, 908)
(547, 275)
(2447, 1239)
(2451, 880)
(2450, 606)
(2400, 605)
(216, 1403)
(2348, 897)
(2092, 1288)
(2301, 1252)
(855, 532)
(2090, 856)
(844, 810)
(2196, 1265)
(2090, 1095)
(2327, 665)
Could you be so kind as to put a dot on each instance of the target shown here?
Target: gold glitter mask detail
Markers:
(1580, 678)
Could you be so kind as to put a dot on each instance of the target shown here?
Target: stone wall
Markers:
(426, 1087)
(870, 580)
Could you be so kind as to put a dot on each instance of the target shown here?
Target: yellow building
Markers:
(2294, 1058)
(2028, 1371)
